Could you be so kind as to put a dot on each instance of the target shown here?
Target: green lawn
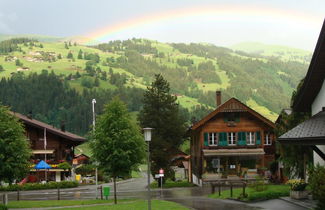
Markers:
(121, 204)
(55, 203)
(272, 192)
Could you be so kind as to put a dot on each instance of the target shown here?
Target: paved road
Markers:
(194, 198)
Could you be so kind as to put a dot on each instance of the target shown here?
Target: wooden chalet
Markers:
(232, 141)
(50, 144)
(311, 98)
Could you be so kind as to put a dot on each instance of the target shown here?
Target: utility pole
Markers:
(94, 124)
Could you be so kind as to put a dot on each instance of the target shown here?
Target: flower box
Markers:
(298, 194)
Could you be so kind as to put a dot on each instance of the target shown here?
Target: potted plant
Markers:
(297, 188)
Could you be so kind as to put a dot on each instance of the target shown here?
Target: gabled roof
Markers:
(49, 128)
(311, 131)
(314, 78)
(232, 105)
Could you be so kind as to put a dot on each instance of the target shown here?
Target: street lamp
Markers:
(147, 138)
(94, 123)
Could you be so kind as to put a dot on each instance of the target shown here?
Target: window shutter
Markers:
(225, 117)
(206, 139)
(241, 138)
(237, 119)
(258, 138)
(223, 139)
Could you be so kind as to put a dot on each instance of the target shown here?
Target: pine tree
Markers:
(70, 55)
(80, 54)
(1, 68)
(160, 111)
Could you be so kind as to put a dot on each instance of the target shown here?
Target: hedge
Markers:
(3, 207)
(40, 186)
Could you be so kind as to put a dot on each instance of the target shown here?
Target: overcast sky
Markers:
(285, 22)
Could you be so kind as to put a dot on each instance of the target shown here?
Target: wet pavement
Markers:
(194, 198)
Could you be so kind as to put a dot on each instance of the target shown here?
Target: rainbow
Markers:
(219, 13)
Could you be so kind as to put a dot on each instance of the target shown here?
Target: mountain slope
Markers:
(194, 71)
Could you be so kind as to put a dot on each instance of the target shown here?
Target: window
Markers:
(213, 139)
(250, 138)
(232, 138)
(231, 117)
(268, 139)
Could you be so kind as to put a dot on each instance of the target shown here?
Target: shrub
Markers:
(317, 185)
(259, 185)
(297, 184)
(64, 166)
(3, 207)
(39, 186)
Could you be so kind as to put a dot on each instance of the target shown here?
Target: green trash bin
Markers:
(106, 192)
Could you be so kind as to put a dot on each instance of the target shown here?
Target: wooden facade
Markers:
(233, 140)
(50, 144)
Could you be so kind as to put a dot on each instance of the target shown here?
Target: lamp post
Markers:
(94, 123)
(147, 138)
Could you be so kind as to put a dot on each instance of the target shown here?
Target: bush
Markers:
(3, 207)
(39, 186)
(64, 166)
(297, 184)
(259, 185)
(317, 185)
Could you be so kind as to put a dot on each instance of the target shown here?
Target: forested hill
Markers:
(124, 68)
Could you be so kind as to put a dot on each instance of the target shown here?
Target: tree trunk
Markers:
(115, 199)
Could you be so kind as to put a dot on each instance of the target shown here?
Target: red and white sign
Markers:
(161, 171)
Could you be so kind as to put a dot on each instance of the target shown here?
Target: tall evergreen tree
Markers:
(70, 55)
(161, 112)
(80, 54)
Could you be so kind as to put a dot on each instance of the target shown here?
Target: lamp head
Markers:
(147, 134)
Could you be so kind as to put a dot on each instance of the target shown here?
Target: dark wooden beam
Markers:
(319, 152)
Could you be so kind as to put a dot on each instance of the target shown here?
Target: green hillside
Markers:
(281, 52)
(264, 80)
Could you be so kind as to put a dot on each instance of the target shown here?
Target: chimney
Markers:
(62, 126)
(218, 98)
(30, 115)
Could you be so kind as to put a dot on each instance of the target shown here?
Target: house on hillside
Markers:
(50, 144)
(230, 142)
(311, 98)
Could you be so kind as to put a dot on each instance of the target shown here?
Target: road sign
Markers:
(161, 171)
(157, 176)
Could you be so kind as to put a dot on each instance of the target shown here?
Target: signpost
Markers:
(161, 175)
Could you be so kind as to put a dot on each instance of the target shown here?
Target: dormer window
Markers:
(231, 117)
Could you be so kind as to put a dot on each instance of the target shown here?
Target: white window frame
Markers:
(267, 139)
(213, 139)
(250, 138)
(232, 138)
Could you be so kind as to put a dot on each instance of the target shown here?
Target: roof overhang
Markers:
(314, 78)
(309, 132)
(234, 152)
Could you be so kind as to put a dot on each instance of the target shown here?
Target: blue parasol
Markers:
(42, 165)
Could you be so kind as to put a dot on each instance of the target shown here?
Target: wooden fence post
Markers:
(18, 195)
(231, 189)
(59, 193)
(5, 199)
(101, 192)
